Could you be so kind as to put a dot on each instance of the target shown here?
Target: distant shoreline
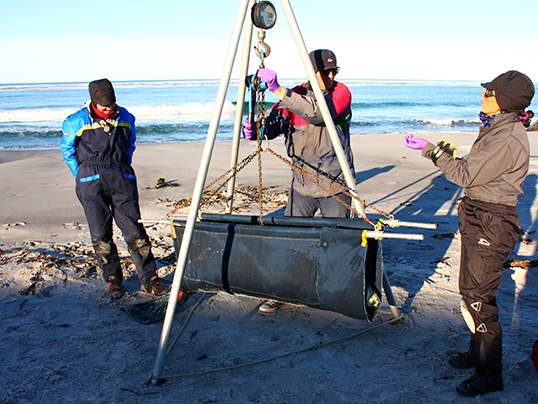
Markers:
(235, 81)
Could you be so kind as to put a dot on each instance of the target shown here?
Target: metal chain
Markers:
(260, 119)
(239, 166)
(345, 190)
(236, 169)
(312, 177)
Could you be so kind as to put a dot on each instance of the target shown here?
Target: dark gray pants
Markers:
(304, 206)
(107, 193)
(489, 233)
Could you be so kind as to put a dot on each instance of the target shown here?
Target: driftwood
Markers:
(521, 264)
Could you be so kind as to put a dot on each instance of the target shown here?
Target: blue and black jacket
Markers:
(93, 140)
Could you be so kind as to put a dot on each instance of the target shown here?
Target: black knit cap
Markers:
(323, 59)
(513, 91)
(102, 93)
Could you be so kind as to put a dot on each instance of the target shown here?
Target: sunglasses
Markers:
(326, 73)
(489, 93)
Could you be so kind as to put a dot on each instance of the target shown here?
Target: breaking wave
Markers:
(48, 114)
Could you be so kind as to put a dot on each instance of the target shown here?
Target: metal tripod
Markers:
(244, 7)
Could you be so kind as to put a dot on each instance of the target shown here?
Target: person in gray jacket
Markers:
(298, 117)
(491, 176)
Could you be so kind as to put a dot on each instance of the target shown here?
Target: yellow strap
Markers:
(451, 150)
(364, 239)
(174, 234)
(374, 300)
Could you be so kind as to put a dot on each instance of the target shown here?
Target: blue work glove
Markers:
(250, 130)
(414, 143)
(269, 77)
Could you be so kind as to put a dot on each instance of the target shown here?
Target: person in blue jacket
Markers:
(98, 143)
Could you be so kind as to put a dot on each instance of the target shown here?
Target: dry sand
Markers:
(63, 340)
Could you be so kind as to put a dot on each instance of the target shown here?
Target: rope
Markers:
(312, 348)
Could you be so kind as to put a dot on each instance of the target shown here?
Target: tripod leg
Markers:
(390, 297)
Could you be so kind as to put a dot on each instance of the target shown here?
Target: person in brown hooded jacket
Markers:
(491, 176)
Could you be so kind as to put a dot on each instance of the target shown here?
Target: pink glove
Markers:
(249, 130)
(269, 77)
(414, 143)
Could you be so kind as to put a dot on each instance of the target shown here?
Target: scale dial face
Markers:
(264, 15)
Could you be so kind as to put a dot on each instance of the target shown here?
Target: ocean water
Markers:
(31, 115)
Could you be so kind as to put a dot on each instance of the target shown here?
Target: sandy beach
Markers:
(64, 340)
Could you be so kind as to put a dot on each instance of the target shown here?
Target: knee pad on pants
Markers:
(479, 317)
(469, 320)
(140, 245)
(105, 249)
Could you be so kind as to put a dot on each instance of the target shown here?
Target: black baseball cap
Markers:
(102, 93)
(323, 59)
(513, 91)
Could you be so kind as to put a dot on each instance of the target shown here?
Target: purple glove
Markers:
(249, 130)
(269, 77)
(414, 143)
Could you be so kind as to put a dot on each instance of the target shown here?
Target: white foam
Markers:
(447, 122)
(143, 111)
(195, 108)
(32, 115)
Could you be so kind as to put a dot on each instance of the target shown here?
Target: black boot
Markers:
(481, 383)
(155, 288)
(116, 290)
(462, 360)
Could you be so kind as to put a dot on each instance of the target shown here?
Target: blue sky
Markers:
(65, 41)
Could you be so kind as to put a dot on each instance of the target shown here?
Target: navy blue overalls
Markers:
(99, 154)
